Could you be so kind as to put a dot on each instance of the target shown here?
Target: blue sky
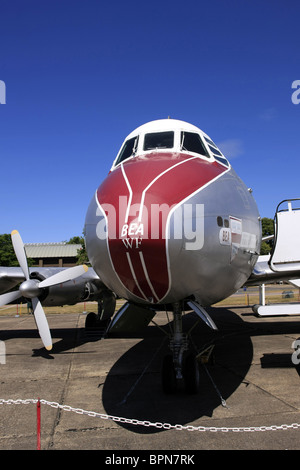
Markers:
(80, 76)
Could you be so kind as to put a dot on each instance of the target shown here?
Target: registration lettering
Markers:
(132, 242)
(132, 230)
(225, 236)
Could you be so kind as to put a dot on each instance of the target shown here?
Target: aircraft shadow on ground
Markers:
(133, 388)
(139, 395)
(64, 340)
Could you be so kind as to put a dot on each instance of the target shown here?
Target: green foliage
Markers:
(76, 241)
(267, 230)
(82, 257)
(7, 254)
(8, 257)
(265, 248)
(267, 226)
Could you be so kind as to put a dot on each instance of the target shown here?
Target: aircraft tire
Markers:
(91, 320)
(169, 382)
(191, 374)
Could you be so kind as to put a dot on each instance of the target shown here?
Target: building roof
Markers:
(51, 250)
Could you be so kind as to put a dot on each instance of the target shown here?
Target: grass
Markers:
(275, 293)
(78, 308)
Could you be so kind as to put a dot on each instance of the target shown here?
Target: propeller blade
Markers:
(20, 252)
(9, 297)
(42, 324)
(64, 276)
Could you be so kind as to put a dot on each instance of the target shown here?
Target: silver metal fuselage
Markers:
(202, 241)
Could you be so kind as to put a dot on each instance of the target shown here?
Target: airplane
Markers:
(172, 227)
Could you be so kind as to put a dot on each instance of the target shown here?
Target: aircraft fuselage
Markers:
(172, 222)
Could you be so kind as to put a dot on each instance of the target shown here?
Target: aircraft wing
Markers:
(10, 277)
(51, 287)
(85, 287)
(295, 282)
(263, 273)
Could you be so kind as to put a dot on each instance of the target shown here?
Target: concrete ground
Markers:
(252, 382)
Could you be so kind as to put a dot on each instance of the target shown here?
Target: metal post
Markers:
(262, 294)
(38, 424)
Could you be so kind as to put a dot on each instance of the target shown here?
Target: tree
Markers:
(267, 226)
(75, 241)
(7, 254)
(82, 257)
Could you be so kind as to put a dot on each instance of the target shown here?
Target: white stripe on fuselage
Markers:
(167, 225)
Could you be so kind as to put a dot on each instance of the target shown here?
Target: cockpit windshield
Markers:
(216, 152)
(159, 140)
(183, 138)
(128, 150)
(191, 142)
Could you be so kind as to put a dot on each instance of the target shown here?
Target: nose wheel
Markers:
(187, 379)
(191, 374)
(180, 367)
(169, 379)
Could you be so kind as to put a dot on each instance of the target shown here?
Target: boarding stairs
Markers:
(285, 257)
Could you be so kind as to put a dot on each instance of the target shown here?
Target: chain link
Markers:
(158, 425)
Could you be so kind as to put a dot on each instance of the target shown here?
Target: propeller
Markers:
(31, 288)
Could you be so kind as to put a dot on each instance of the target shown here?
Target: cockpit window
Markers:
(216, 152)
(192, 143)
(128, 150)
(159, 140)
(209, 141)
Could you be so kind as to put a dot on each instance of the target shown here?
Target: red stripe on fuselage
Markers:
(140, 259)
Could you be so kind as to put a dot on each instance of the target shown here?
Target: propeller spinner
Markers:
(31, 288)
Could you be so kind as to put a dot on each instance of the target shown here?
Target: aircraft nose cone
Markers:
(137, 201)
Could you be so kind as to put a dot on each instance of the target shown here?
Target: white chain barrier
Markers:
(158, 425)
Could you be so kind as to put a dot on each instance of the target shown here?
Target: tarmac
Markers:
(105, 393)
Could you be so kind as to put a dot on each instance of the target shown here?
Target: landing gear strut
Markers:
(99, 321)
(181, 365)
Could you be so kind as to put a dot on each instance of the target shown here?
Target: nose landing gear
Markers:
(180, 369)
